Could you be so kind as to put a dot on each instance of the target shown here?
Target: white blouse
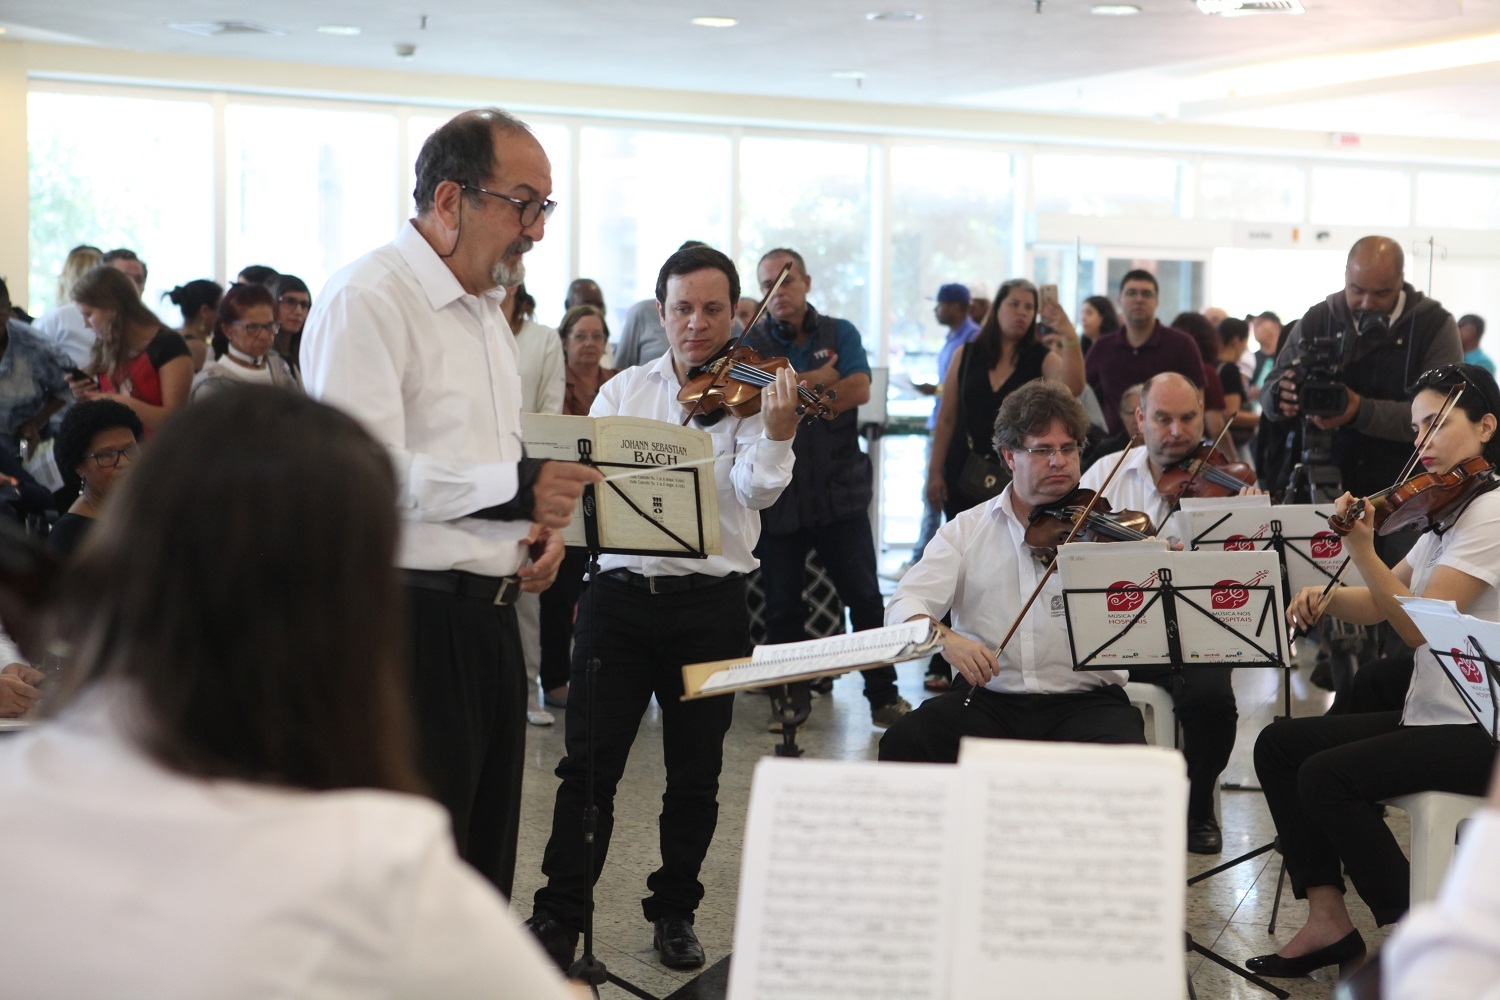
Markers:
(129, 880)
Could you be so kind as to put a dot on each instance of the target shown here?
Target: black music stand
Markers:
(588, 968)
(1492, 681)
(1172, 599)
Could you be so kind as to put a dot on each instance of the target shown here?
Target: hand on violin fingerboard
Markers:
(778, 407)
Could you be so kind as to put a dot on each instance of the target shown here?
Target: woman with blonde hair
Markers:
(136, 359)
(62, 326)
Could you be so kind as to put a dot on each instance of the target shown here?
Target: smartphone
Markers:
(79, 374)
(1047, 293)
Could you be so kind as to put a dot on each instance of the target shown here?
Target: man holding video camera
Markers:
(1346, 366)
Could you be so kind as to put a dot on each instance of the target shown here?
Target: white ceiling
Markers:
(1168, 62)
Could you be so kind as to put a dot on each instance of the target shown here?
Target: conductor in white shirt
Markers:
(411, 339)
(979, 568)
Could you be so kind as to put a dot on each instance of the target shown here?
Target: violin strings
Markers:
(755, 376)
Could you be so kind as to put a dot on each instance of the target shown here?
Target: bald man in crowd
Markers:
(1385, 334)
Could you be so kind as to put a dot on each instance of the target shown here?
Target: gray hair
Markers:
(1033, 408)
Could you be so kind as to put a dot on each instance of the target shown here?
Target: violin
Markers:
(1083, 516)
(1205, 473)
(1422, 502)
(733, 382)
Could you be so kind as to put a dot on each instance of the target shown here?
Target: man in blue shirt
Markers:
(1470, 329)
(826, 506)
(952, 310)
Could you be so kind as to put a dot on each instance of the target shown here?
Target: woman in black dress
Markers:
(1006, 354)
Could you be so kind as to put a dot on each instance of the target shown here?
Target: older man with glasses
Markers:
(412, 340)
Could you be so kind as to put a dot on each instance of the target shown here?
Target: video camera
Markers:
(1317, 373)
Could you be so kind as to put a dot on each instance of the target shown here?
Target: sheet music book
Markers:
(1230, 606)
(1314, 551)
(671, 511)
(1462, 645)
(781, 663)
(1054, 869)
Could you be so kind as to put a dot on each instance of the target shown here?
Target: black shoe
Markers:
(1204, 837)
(678, 945)
(820, 685)
(1340, 953)
(557, 941)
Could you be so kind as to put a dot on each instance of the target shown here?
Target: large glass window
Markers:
(309, 189)
(952, 215)
(1360, 196)
(120, 172)
(1075, 184)
(643, 193)
(814, 197)
(1253, 192)
(1458, 201)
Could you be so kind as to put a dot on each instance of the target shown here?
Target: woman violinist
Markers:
(1323, 776)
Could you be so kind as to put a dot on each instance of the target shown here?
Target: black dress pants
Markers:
(847, 550)
(468, 684)
(1205, 707)
(1324, 777)
(931, 732)
(642, 642)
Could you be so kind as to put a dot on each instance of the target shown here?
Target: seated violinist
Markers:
(1170, 415)
(648, 616)
(1324, 775)
(980, 568)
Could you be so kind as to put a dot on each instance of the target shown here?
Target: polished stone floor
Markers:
(1228, 913)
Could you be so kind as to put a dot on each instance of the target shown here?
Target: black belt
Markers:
(500, 590)
(668, 584)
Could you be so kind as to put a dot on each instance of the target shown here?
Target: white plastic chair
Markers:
(1435, 820)
(1161, 727)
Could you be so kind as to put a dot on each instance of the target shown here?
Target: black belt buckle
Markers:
(509, 590)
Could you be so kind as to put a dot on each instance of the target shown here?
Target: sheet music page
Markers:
(1245, 618)
(845, 882)
(670, 498)
(1448, 630)
(780, 661)
(1124, 574)
(1071, 883)
(1314, 551)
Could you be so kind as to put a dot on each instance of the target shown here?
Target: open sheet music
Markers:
(1037, 870)
(670, 511)
(1314, 552)
(788, 661)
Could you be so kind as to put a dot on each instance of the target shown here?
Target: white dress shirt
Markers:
(1449, 949)
(979, 567)
(138, 881)
(1471, 546)
(543, 377)
(64, 328)
(432, 373)
(1133, 487)
(750, 470)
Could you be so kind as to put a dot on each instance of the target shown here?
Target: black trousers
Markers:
(847, 550)
(643, 640)
(469, 696)
(1324, 777)
(558, 603)
(931, 732)
(1205, 707)
(1376, 687)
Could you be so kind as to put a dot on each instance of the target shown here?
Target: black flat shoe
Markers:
(678, 944)
(1340, 953)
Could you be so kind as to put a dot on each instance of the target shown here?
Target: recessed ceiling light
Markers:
(848, 74)
(338, 29)
(1114, 9)
(893, 15)
(715, 22)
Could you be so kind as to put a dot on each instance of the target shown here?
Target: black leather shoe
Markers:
(678, 945)
(1204, 837)
(557, 941)
(1340, 953)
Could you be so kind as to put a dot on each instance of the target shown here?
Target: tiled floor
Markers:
(1228, 913)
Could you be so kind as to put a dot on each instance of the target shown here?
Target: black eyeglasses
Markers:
(304, 304)
(530, 210)
(110, 457)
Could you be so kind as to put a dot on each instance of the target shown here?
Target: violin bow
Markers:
(1326, 597)
(1052, 566)
(760, 311)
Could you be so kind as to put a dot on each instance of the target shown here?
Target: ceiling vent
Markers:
(1239, 8)
(209, 29)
